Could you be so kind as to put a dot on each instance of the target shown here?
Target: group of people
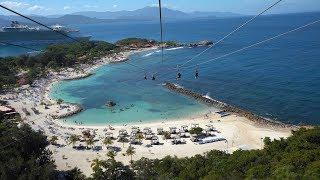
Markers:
(179, 76)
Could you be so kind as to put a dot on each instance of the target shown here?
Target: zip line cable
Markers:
(232, 32)
(256, 44)
(16, 45)
(161, 30)
(37, 22)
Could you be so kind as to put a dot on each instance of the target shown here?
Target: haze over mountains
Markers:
(144, 14)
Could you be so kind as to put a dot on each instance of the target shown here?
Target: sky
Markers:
(54, 7)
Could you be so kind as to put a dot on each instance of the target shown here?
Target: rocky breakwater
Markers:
(68, 110)
(78, 77)
(226, 107)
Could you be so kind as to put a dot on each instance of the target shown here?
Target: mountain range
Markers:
(91, 17)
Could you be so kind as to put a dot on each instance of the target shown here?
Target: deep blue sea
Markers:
(280, 79)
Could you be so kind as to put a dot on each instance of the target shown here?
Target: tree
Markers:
(166, 135)
(108, 141)
(130, 152)
(111, 154)
(145, 168)
(196, 130)
(24, 153)
(90, 142)
(140, 137)
(74, 174)
(73, 139)
(111, 169)
(54, 140)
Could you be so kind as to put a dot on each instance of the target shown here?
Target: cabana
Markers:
(184, 128)
(147, 130)
(133, 140)
(210, 127)
(173, 130)
(211, 140)
(194, 125)
(123, 132)
(160, 131)
(178, 140)
(155, 140)
(109, 134)
(149, 135)
(135, 128)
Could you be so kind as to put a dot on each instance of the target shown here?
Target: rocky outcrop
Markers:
(226, 107)
(201, 43)
(111, 104)
(77, 109)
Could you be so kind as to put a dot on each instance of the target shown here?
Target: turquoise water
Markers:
(142, 101)
(280, 80)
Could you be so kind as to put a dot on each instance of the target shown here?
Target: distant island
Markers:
(92, 17)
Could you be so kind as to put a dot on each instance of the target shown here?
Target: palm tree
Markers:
(90, 142)
(140, 137)
(111, 154)
(130, 152)
(95, 162)
(53, 140)
(107, 141)
(73, 139)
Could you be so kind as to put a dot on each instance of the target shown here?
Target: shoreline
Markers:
(259, 120)
(241, 132)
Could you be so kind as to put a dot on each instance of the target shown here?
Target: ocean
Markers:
(279, 79)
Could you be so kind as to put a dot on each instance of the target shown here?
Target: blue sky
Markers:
(49, 7)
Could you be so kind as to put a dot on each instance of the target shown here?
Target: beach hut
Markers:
(123, 132)
(147, 130)
(149, 135)
(173, 130)
(160, 131)
(194, 125)
(155, 140)
(133, 140)
(184, 128)
(109, 134)
(178, 140)
(210, 127)
(135, 128)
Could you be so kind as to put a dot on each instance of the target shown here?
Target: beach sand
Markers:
(240, 132)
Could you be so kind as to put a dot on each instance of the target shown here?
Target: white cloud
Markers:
(36, 8)
(66, 7)
(22, 7)
(14, 4)
(115, 6)
(90, 6)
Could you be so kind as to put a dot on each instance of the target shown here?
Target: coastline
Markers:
(257, 119)
(240, 132)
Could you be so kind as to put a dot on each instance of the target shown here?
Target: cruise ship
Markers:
(19, 32)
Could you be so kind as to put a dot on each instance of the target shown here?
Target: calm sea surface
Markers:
(279, 79)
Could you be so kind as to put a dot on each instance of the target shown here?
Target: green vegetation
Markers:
(197, 131)
(136, 43)
(53, 57)
(294, 158)
(24, 155)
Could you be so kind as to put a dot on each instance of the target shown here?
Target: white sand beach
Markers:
(238, 132)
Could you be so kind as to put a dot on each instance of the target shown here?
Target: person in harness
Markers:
(145, 77)
(153, 78)
(179, 76)
(196, 74)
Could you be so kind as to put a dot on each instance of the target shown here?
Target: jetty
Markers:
(226, 107)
